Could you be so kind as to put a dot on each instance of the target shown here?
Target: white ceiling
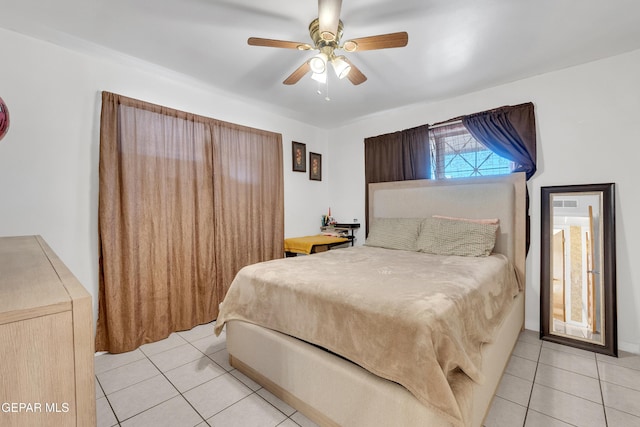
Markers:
(455, 46)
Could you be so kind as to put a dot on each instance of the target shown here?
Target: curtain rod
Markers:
(458, 119)
(455, 121)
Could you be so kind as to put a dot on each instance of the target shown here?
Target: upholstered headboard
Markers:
(502, 197)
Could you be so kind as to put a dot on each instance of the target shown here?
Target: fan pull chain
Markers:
(326, 98)
(319, 90)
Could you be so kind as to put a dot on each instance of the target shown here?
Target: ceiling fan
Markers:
(326, 34)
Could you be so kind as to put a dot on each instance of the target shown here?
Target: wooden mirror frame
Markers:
(610, 330)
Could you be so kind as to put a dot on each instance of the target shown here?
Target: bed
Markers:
(325, 334)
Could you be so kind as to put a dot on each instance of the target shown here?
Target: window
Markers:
(455, 153)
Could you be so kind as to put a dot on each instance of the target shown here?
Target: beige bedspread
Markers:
(413, 318)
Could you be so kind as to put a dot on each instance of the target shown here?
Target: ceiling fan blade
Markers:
(383, 41)
(297, 74)
(355, 76)
(257, 41)
(328, 18)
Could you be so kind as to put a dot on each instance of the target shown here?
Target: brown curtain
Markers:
(397, 156)
(249, 196)
(180, 212)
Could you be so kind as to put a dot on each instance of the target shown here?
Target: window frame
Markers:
(437, 140)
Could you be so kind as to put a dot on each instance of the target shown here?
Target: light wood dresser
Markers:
(46, 339)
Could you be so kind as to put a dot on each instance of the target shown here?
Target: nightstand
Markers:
(342, 229)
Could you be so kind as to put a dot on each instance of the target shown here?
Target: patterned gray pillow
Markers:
(394, 233)
(442, 236)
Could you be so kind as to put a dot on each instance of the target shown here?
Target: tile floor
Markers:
(186, 380)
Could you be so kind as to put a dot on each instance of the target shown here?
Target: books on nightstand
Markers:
(340, 229)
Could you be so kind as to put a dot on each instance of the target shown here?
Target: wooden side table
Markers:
(312, 244)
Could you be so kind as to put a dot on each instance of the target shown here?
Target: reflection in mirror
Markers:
(578, 267)
(575, 265)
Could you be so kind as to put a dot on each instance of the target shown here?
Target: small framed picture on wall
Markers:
(315, 167)
(299, 156)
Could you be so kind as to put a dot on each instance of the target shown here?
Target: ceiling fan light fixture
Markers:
(320, 77)
(326, 33)
(318, 63)
(341, 66)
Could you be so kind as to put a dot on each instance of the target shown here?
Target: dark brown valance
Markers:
(396, 156)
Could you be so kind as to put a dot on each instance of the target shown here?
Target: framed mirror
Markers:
(578, 268)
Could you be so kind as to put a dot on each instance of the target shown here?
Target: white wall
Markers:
(587, 132)
(588, 126)
(49, 158)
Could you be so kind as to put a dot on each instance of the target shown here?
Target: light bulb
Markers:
(341, 66)
(318, 63)
(320, 77)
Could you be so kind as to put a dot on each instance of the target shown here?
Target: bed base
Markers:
(332, 391)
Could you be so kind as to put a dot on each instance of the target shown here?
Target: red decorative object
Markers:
(4, 119)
